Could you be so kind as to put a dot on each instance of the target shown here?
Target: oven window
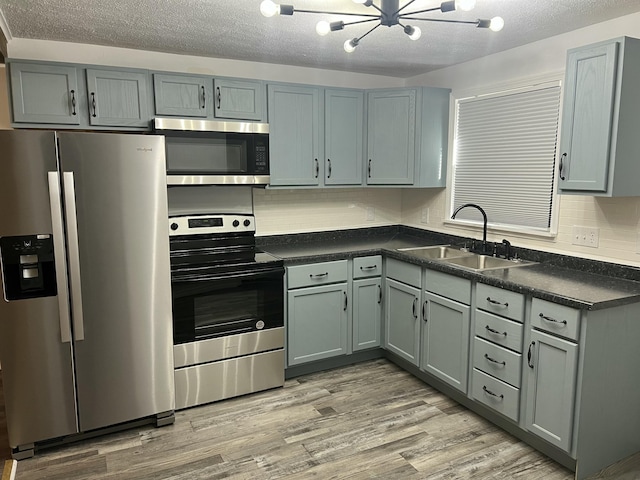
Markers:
(214, 308)
(223, 153)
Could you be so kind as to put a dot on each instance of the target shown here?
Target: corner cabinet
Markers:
(295, 131)
(600, 143)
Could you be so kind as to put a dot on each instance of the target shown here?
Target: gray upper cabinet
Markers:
(344, 130)
(182, 95)
(118, 98)
(294, 135)
(45, 93)
(239, 99)
(391, 133)
(599, 144)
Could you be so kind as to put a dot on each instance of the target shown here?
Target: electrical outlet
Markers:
(424, 217)
(585, 236)
(371, 214)
(593, 237)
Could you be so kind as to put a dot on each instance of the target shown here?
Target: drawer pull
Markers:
(553, 320)
(319, 275)
(531, 345)
(489, 392)
(495, 302)
(495, 332)
(503, 363)
(370, 267)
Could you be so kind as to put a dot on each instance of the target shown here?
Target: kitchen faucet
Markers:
(484, 227)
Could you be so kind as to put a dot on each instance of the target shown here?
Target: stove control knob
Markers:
(236, 223)
(174, 226)
(247, 223)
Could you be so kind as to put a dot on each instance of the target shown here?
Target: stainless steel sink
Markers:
(435, 252)
(481, 263)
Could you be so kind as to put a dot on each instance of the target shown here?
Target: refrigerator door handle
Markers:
(55, 203)
(74, 255)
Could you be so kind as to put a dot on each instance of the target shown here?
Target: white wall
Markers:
(618, 219)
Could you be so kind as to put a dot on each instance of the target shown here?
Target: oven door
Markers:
(210, 306)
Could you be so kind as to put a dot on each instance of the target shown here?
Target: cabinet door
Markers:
(391, 137)
(182, 95)
(445, 340)
(587, 117)
(552, 364)
(344, 119)
(44, 94)
(294, 132)
(367, 312)
(240, 99)
(402, 325)
(117, 98)
(317, 323)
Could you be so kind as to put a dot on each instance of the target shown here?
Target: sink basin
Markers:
(480, 263)
(436, 252)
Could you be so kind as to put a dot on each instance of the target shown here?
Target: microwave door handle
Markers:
(74, 255)
(60, 258)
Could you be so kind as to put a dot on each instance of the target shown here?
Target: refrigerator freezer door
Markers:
(37, 369)
(124, 364)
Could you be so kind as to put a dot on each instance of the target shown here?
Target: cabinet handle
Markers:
(369, 168)
(218, 96)
(317, 168)
(495, 302)
(346, 301)
(379, 294)
(551, 319)
(503, 363)
(489, 392)
(329, 169)
(531, 345)
(204, 98)
(73, 102)
(564, 155)
(370, 267)
(318, 275)
(495, 332)
(415, 314)
(424, 311)
(93, 103)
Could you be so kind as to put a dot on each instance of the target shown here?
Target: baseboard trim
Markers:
(9, 470)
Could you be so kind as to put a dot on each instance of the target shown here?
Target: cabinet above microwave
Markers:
(206, 152)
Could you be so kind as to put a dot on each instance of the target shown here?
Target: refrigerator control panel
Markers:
(28, 267)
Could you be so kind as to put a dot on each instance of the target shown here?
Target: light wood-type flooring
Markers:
(370, 420)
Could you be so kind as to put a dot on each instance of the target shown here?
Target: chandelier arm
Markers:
(439, 20)
(338, 13)
(361, 21)
(435, 9)
(360, 38)
(403, 7)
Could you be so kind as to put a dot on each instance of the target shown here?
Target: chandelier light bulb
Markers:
(497, 24)
(350, 45)
(465, 5)
(413, 32)
(322, 28)
(359, 1)
(269, 8)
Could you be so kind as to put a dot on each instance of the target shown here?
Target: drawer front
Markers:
(448, 286)
(317, 274)
(364, 267)
(404, 272)
(497, 361)
(501, 302)
(495, 394)
(554, 318)
(499, 330)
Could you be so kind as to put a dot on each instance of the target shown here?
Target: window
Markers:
(504, 157)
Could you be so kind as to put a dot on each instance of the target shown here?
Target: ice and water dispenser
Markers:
(28, 268)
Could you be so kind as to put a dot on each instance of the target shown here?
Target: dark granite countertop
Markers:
(550, 279)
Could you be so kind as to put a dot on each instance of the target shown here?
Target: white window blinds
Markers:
(504, 156)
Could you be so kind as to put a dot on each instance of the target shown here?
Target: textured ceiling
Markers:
(237, 30)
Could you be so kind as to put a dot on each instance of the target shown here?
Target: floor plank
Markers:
(371, 420)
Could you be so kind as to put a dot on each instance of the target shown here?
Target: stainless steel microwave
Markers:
(206, 152)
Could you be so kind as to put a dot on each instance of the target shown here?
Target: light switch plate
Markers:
(424, 216)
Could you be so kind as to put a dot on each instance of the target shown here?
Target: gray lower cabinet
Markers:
(45, 93)
(317, 311)
(402, 324)
(367, 313)
(445, 329)
(118, 98)
(182, 95)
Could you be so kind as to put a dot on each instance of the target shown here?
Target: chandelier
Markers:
(389, 13)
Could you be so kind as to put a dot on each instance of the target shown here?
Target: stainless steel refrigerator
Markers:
(85, 323)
